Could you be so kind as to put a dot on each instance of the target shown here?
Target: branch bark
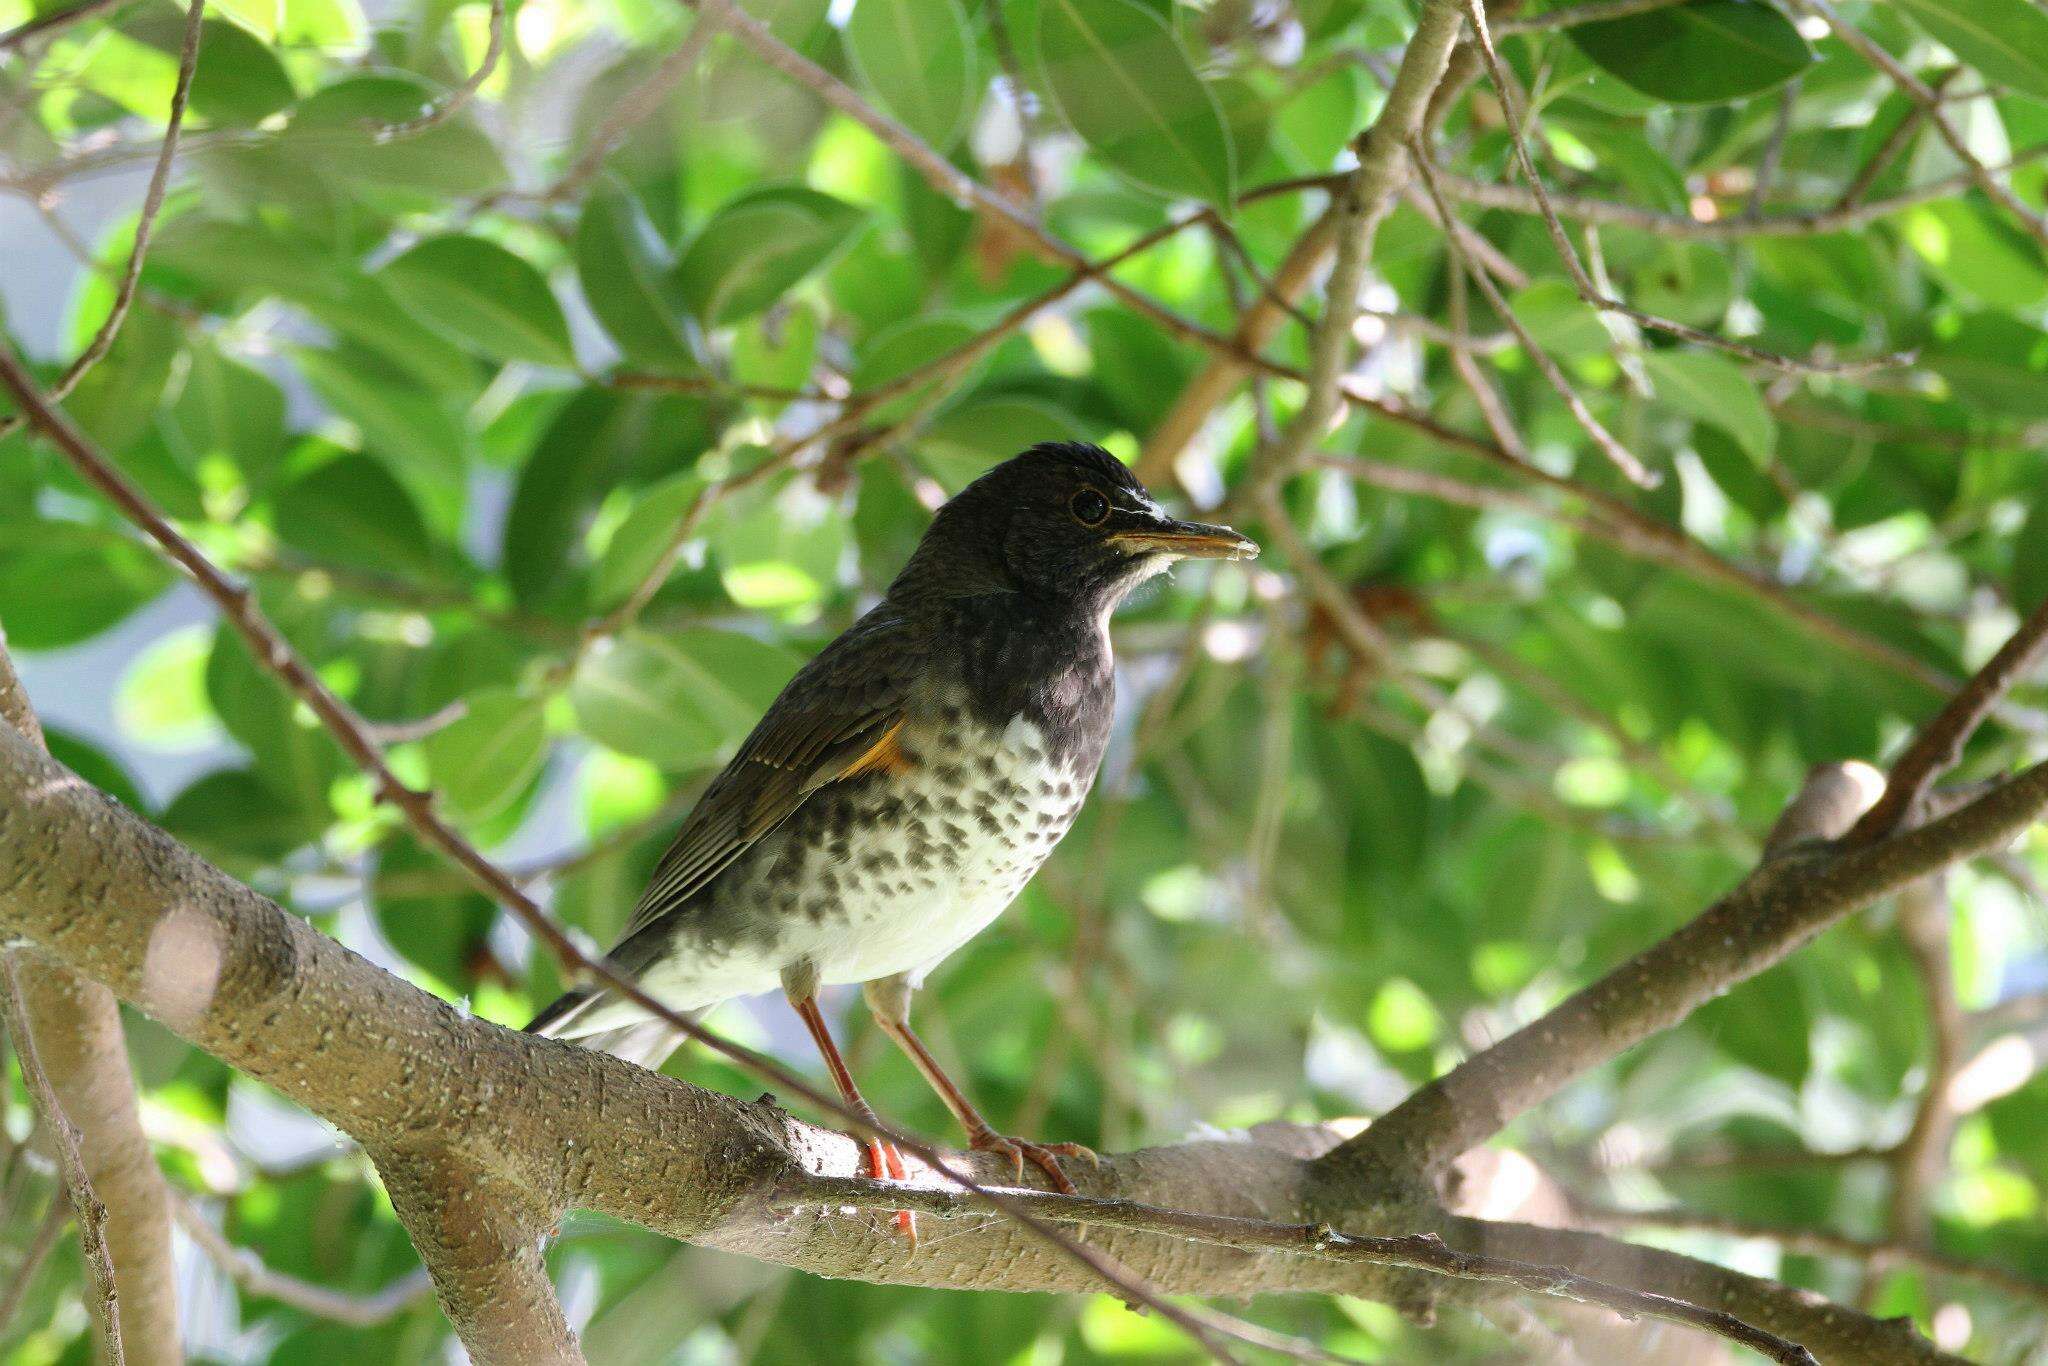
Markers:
(1786, 902)
(74, 1027)
(529, 1128)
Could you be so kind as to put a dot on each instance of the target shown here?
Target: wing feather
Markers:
(838, 718)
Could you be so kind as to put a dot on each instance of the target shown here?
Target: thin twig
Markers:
(1494, 194)
(1939, 744)
(52, 22)
(1888, 151)
(276, 656)
(632, 110)
(451, 104)
(1594, 12)
(1617, 454)
(1982, 175)
(1417, 1252)
(1518, 136)
(145, 224)
(1819, 1243)
(1922, 1155)
(86, 1208)
(247, 1271)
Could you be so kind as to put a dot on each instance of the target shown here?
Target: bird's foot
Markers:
(885, 1163)
(1044, 1156)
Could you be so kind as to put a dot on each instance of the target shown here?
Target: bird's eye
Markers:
(1089, 507)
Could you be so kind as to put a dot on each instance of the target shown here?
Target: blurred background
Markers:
(446, 377)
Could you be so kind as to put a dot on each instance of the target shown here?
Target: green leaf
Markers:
(289, 750)
(1123, 83)
(160, 701)
(559, 486)
(351, 512)
(334, 130)
(638, 544)
(779, 551)
(1713, 389)
(759, 247)
(624, 272)
(415, 429)
(482, 761)
(2030, 558)
(259, 17)
(239, 80)
(2006, 40)
(903, 347)
(1701, 52)
(232, 815)
(1314, 126)
(777, 349)
(1975, 253)
(683, 700)
(230, 412)
(1562, 323)
(918, 58)
(437, 931)
(57, 590)
(479, 294)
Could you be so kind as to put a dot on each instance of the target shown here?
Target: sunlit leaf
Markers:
(481, 295)
(1699, 52)
(1122, 82)
(2006, 40)
(918, 57)
(1713, 388)
(758, 247)
(681, 699)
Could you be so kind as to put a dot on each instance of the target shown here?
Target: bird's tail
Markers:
(586, 1017)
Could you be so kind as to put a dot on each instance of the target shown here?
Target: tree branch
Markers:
(248, 1272)
(70, 1031)
(1822, 1243)
(452, 103)
(86, 1206)
(1415, 1252)
(1778, 908)
(276, 655)
(1939, 745)
(533, 1127)
(145, 223)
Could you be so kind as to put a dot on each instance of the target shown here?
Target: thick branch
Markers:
(1776, 910)
(1939, 744)
(74, 1027)
(1417, 1252)
(533, 1127)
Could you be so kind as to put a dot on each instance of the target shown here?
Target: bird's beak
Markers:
(1189, 540)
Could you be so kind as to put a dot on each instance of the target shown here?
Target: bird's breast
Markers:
(898, 869)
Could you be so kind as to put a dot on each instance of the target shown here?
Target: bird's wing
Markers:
(838, 718)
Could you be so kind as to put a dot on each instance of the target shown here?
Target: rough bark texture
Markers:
(486, 1136)
(79, 1040)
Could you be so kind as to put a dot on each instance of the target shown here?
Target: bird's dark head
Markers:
(1064, 520)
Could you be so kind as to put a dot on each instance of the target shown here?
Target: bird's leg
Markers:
(889, 999)
(884, 1161)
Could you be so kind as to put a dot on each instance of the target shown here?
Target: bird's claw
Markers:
(1044, 1156)
(885, 1163)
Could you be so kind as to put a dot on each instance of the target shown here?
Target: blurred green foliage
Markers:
(446, 418)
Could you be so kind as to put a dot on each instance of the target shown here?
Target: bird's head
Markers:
(1063, 519)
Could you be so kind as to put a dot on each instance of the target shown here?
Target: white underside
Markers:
(878, 927)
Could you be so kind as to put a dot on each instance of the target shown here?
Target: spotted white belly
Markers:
(885, 877)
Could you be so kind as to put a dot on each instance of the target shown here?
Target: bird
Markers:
(908, 781)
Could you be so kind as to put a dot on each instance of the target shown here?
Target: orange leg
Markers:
(884, 1161)
(889, 999)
